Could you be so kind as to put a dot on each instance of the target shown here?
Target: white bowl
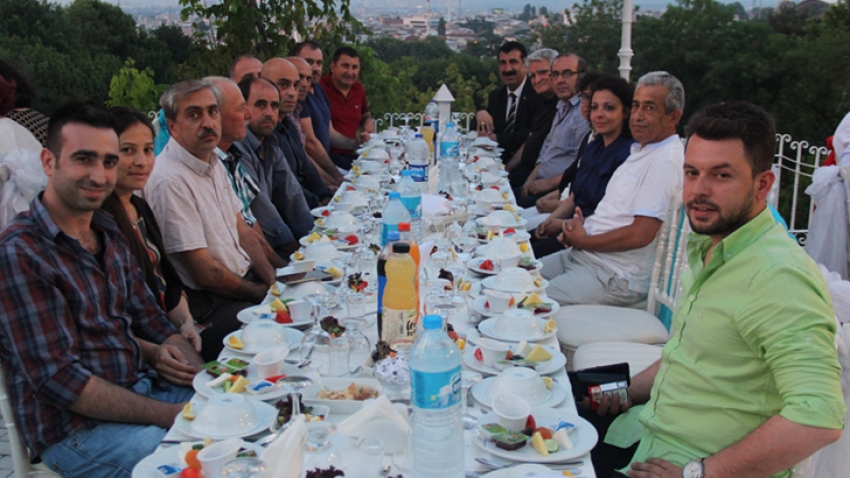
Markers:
(512, 410)
(367, 183)
(484, 162)
(501, 246)
(263, 334)
(519, 324)
(508, 219)
(490, 180)
(215, 456)
(302, 266)
(368, 166)
(226, 414)
(354, 198)
(378, 153)
(338, 219)
(303, 289)
(513, 278)
(489, 196)
(520, 381)
(319, 251)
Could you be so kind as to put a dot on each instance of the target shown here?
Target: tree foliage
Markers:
(134, 88)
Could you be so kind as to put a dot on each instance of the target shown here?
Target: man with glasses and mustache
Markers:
(512, 108)
(218, 256)
(569, 128)
(749, 383)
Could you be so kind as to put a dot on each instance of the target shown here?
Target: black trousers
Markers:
(607, 459)
(544, 247)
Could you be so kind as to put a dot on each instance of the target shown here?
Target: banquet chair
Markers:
(20, 454)
(579, 325)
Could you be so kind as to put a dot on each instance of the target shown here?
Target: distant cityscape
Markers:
(400, 20)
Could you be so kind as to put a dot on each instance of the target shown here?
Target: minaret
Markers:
(427, 18)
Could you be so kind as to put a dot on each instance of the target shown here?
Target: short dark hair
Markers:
(79, 112)
(24, 92)
(124, 117)
(248, 83)
(510, 46)
(582, 64)
(296, 50)
(347, 51)
(586, 81)
(620, 88)
(236, 61)
(739, 120)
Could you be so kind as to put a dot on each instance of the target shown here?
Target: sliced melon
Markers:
(235, 342)
(239, 385)
(538, 354)
(551, 326)
(548, 382)
(533, 299)
(334, 272)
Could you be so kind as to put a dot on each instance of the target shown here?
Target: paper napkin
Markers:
(283, 456)
(381, 408)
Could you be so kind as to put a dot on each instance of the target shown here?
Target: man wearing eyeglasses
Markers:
(512, 108)
(568, 129)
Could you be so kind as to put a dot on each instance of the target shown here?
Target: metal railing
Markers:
(415, 120)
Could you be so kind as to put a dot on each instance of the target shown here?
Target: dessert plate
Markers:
(479, 393)
(293, 341)
(555, 364)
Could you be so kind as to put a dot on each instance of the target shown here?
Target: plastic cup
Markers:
(498, 301)
(270, 361)
(512, 411)
(214, 457)
(492, 350)
(299, 310)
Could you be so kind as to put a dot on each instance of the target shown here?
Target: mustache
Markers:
(207, 131)
(702, 202)
(509, 73)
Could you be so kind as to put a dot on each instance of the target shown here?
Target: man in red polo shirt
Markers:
(349, 110)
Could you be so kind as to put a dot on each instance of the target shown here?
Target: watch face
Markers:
(693, 469)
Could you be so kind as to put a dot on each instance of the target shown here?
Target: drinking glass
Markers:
(315, 336)
(244, 467)
(371, 459)
(319, 452)
(468, 378)
(465, 246)
(339, 353)
(359, 347)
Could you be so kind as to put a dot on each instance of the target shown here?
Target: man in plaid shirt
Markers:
(81, 336)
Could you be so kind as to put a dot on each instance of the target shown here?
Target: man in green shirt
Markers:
(748, 385)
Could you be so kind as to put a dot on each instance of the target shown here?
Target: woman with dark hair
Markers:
(24, 96)
(610, 106)
(136, 220)
(12, 135)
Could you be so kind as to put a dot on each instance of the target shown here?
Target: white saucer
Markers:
(317, 212)
(474, 264)
(340, 244)
(486, 328)
(264, 312)
(201, 379)
(479, 393)
(266, 412)
(520, 223)
(489, 283)
(556, 364)
(293, 341)
(584, 438)
(171, 455)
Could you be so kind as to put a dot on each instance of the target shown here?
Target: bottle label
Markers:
(420, 172)
(398, 325)
(385, 232)
(449, 149)
(413, 204)
(435, 390)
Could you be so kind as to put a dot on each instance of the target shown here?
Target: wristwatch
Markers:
(693, 469)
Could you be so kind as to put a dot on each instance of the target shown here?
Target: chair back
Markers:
(20, 454)
(669, 259)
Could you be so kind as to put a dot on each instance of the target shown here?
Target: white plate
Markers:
(293, 341)
(479, 393)
(264, 312)
(338, 407)
(339, 243)
(584, 437)
(169, 455)
(317, 212)
(556, 364)
(474, 265)
(490, 284)
(522, 471)
(479, 306)
(518, 237)
(486, 328)
(201, 379)
(515, 224)
(266, 412)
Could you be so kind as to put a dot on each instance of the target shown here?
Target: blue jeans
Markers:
(113, 449)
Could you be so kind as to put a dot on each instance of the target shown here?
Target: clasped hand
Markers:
(573, 231)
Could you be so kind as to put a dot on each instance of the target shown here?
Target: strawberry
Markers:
(191, 473)
(530, 423)
(356, 282)
(350, 188)
(486, 304)
(487, 265)
(326, 212)
(283, 317)
(351, 239)
(509, 230)
(494, 187)
(479, 356)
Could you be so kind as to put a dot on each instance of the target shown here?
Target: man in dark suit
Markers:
(511, 108)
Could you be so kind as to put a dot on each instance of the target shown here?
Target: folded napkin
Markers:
(283, 456)
(434, 205)
(380, 408)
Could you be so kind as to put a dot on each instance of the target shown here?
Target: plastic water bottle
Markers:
(449, 157)
(411, 197)
(435, 392)
(432, 113)
(392, 238)
(418, 154)
(394, 212)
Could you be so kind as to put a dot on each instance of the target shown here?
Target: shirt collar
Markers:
(518, 90)
(41, 218)
(636, 148)
(252, 142)
(731, 245)
(188, 159)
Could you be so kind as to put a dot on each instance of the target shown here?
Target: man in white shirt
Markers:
(609, 257)
(217, 255)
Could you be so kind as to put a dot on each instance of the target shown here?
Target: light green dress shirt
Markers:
(753, 337)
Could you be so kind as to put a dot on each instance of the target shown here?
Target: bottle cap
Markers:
(393, 236)
(419, 135)
(404, 227)
(395, 195)
(433, 321)
(406, 172)
(450, 125)
(401, 248)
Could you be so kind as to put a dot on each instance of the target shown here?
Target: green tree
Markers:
(441, 27)
(593, 33)
(544, 11)
(134, 88)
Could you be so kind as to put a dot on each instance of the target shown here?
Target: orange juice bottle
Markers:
(405, 235)
(428, 133)
(401, 300)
